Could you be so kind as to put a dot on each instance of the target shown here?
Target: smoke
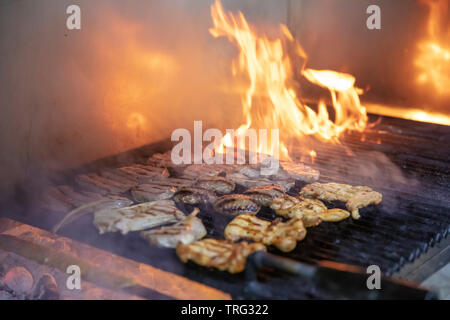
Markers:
(133, 73)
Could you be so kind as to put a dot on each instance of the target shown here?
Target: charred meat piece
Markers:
(283, 235)
(219, 185)
(194, 195)
(235, 204)
(265, 194)
(186, 231)
(247, 182)
(138, 217)
(356, 197)
(158, 190)
(309, 210)
(334, 215)
(219, 254)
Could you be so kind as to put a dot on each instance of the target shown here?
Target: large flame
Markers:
(433, 59)
(269, 102)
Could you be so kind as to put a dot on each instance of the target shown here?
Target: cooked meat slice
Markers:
(251, 171)
(111, 202)
(119, 176)
(265, 194)
(163, 160)
(334, 215)
(186, 231)
(158, 190)
(235, 204)
(219, 185)
(309, 210)
(286, 206)
(138, 217)
(298, 171)
(95, 183)
(150, 192)
(146, 174)
(355, 197)
(361, 200)
(194, 195)
(63, 198)
(283, 235)
(77, 199)
(247, 182)
(53, 199)
(219, 254)
(200, 170)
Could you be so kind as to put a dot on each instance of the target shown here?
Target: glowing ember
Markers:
(433, 60)
(270, 103)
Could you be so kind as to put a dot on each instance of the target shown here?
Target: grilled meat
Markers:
(186, 231)
(145, 173)
(265, 194)
(158, 190)
(119, 176)
(64, 198)
(219, 254)
(219, 185)
(247, 182)
(297, 171)
(194, 195)
(356, 197)
(163, 160)
(235, 204)
(138, 217)
(309, 210)
(283, 235)
(98, 184)
(111, 202)
(200, 170)
(334, 215)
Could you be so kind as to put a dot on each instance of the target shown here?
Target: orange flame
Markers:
(433, 59)
(269, 103)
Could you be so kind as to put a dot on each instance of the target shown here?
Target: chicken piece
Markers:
(283, 235)
(219, 185)
(309, 210)
(265, 194)
(138, 217)
(356, 197)
(235, 204)
(220, 254)
(186, 231)
(334, 215)
(194, 195)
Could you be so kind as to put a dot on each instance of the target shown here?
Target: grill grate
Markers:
(413, 217)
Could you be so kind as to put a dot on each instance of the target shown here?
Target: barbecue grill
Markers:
(412, 221)
(408, 162)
